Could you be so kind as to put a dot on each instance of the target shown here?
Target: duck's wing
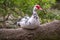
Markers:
(23, 20)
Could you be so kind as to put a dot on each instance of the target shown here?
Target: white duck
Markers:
(31, 22)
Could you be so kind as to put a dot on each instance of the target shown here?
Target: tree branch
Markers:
(48, 31)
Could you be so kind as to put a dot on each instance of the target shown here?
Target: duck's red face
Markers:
(38, 7)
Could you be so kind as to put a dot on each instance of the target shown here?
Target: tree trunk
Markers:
(49, 31)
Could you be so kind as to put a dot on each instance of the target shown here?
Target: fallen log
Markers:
(48, 31)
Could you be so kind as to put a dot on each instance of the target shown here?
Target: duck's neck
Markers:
(34, 12)
(35, 15)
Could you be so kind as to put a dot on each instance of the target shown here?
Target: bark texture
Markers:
(48, 31)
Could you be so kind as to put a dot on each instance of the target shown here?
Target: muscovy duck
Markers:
(31, 22)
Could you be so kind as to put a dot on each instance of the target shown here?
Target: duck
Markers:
(31, 22)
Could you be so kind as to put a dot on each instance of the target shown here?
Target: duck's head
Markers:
(37, 7)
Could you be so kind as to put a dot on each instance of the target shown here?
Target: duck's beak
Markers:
(40, 9)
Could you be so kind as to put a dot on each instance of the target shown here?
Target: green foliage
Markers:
(21, 7)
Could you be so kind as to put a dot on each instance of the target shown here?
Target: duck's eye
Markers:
(38, 7)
